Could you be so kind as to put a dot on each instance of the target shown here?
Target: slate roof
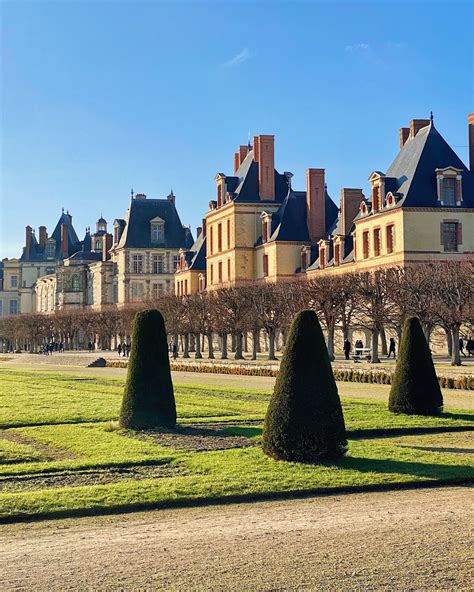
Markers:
(414, 170)
(197, 261)
(86, 256)
(37, 251)
(137, 231)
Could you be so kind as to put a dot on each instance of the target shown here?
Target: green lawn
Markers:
(61, 451)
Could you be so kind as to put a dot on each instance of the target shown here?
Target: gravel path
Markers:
(399, 540)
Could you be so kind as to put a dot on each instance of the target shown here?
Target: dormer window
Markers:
(305, 258)
(50, 249)
(98, 245)
(363, 208)
(221, 189)
(157, 228)
(337, 254)
(449, 181)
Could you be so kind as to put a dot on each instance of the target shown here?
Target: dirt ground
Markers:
(399, 540)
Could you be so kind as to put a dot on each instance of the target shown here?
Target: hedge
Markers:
(465, 382)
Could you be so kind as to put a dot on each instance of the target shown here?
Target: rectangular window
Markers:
(450, 236)
(157, 233)
(50, 249)
(376, 242)
(137, 263)
(219, 238)
(228, 234)
(304, 259)
(264, 231)
(265, 266)
(1, 308)
(175, 262)
(228, 269)
(14, 281)
(390, 238)
(13, 307)
(220, 271)
(337, 254)
(185, 286)
(212, 274)
(211, 235)
(136, 291)
(449, 192)
(322, 258)
(157, 291)
(365, 244)
(158, 263)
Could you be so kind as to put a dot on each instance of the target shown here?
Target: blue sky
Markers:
(99, 97)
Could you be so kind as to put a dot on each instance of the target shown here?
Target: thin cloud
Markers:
(357, 48)
(239, 58)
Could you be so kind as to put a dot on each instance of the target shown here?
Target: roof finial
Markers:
(431, 116)
(62, 210)
(131, 192)
(248, 144)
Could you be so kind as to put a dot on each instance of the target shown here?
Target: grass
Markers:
(58, 442)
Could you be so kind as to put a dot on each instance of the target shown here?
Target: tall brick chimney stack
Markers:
(106, 246)
(43, 236)
(204, 227)
(350, 204)
(64, 241)
(28, 237)
(470, 123)
(404, 135)
(240, 155)
(316, 204)
(264, 154)
(417, 124)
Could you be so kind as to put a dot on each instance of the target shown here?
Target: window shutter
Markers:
(459, 229)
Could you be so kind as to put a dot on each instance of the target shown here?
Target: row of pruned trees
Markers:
(440, 294)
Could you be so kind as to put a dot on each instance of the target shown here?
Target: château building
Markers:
(260, 229)
(135, 263)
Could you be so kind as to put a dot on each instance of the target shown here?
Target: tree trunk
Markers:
(255, 338)
(427, 332)
(271, 344)
(238, 347)
(375, 347)
(210, 345)
(449, 341)
(246, 342)
(383, 341)
(186, 345)
(197, 341)
(224, 346)
(331, 341)
(456, 354)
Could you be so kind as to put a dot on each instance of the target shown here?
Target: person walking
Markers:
(347, 348)
(175, 350)
(470, 347)
(119, 349)
(461, 346)
(391, 348)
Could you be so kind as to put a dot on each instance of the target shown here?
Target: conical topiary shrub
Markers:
(148, 401)
(415, 387)
(304, 420)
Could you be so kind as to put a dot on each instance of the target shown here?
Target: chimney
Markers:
(171, 197)
(264, 154)
(106, 246)
(29, 234)
(470, 123)
(43, 236)
(64, 241)
(417, 124)
(236, 161)
(316, 204)
(404, 135)
(198, 231)
(204, 227)
(140, 196)
(350, 204)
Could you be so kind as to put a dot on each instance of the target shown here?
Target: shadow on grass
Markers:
(418, 469)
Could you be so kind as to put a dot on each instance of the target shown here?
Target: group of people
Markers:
(123, 349)
(47, 349)
(359, 346)
(469, 347)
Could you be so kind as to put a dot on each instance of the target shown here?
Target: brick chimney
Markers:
(236, 161)
(198, 231)
(28, 238)
(470, 123)
(264, 154)
(404, 135)
(416, 125)
(43, 236)
(106, 246)
(204, 227)
(350, 204)
(64, 241)
(316, 204)
(240, 155)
